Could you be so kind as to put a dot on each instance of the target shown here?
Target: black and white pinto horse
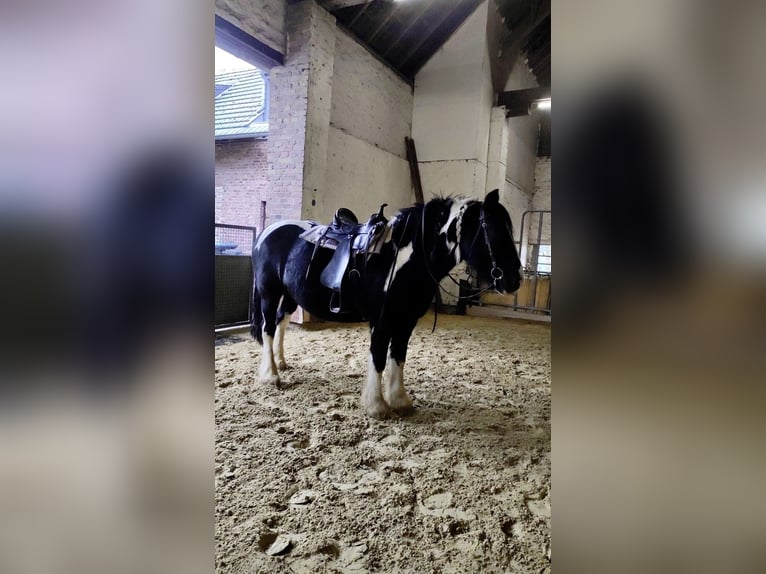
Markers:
(394, 291)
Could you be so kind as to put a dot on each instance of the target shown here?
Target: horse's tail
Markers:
(256, 317)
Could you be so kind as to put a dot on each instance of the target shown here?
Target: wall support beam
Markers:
(517, 102)
(333, 5)
(244, 46)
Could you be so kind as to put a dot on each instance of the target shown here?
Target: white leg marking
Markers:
(279, 343)
(268, 373)
(372, 396)
(395, 393)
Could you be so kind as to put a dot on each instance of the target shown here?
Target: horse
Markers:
(391, 289)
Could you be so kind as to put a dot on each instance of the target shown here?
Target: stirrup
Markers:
(332, 297)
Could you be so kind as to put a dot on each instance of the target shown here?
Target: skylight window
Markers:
(225, 62)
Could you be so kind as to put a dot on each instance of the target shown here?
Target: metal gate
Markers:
(534, 246)
(233, 273)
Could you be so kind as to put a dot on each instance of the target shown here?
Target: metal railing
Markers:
(536, 262)
(233, 273)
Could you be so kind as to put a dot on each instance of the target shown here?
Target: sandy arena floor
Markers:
(305, 482)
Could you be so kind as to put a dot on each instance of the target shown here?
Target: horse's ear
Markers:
(492, 197)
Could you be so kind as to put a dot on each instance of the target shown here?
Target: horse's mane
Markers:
(438, 200)
(408, 221)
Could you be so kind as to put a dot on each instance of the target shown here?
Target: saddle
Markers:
(349, 239)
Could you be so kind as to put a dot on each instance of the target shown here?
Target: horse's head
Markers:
(487, 244)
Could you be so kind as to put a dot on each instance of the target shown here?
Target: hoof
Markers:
(401, 405)
(380, 411)
(405, 410)
(282, 365)
(269, 380)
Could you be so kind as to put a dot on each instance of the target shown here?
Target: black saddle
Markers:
(344, 218)
(349, 239)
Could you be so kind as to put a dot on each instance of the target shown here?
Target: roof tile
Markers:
(239, 108)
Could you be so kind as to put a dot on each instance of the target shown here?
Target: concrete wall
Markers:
(369, 100)
(319, 38)
(362, 176)
(262, 19)
(451, 112)
(521, 151)
(465, 145)
(241, 178)
(370, 117)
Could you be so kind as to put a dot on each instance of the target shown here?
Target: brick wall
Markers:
(338, 119)
(288, 102)
(320, 79)
(542, 196)
(241, 180)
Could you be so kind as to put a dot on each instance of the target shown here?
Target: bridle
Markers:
(496, 273)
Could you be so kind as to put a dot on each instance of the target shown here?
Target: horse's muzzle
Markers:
(509, 284)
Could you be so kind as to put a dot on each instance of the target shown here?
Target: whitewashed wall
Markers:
(451, 112)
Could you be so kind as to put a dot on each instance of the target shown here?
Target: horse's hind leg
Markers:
(286, 308)
(269, 305)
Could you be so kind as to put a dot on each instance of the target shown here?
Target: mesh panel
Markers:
(233, 273)
(234, 239)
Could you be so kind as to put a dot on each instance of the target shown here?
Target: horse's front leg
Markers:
(372, 395)
(395, 393)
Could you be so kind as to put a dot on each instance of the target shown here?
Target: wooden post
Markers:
(412, 158)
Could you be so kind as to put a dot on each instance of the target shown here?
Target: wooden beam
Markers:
(332, 5)
(537, 55)
(391, 12)
(434, 27)
(412, 158)
(359, 13)
(413, 21)
(520, 33)
(487, 311)
(517, 102)
(540, 60)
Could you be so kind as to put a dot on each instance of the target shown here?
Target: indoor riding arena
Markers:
(329, 104)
